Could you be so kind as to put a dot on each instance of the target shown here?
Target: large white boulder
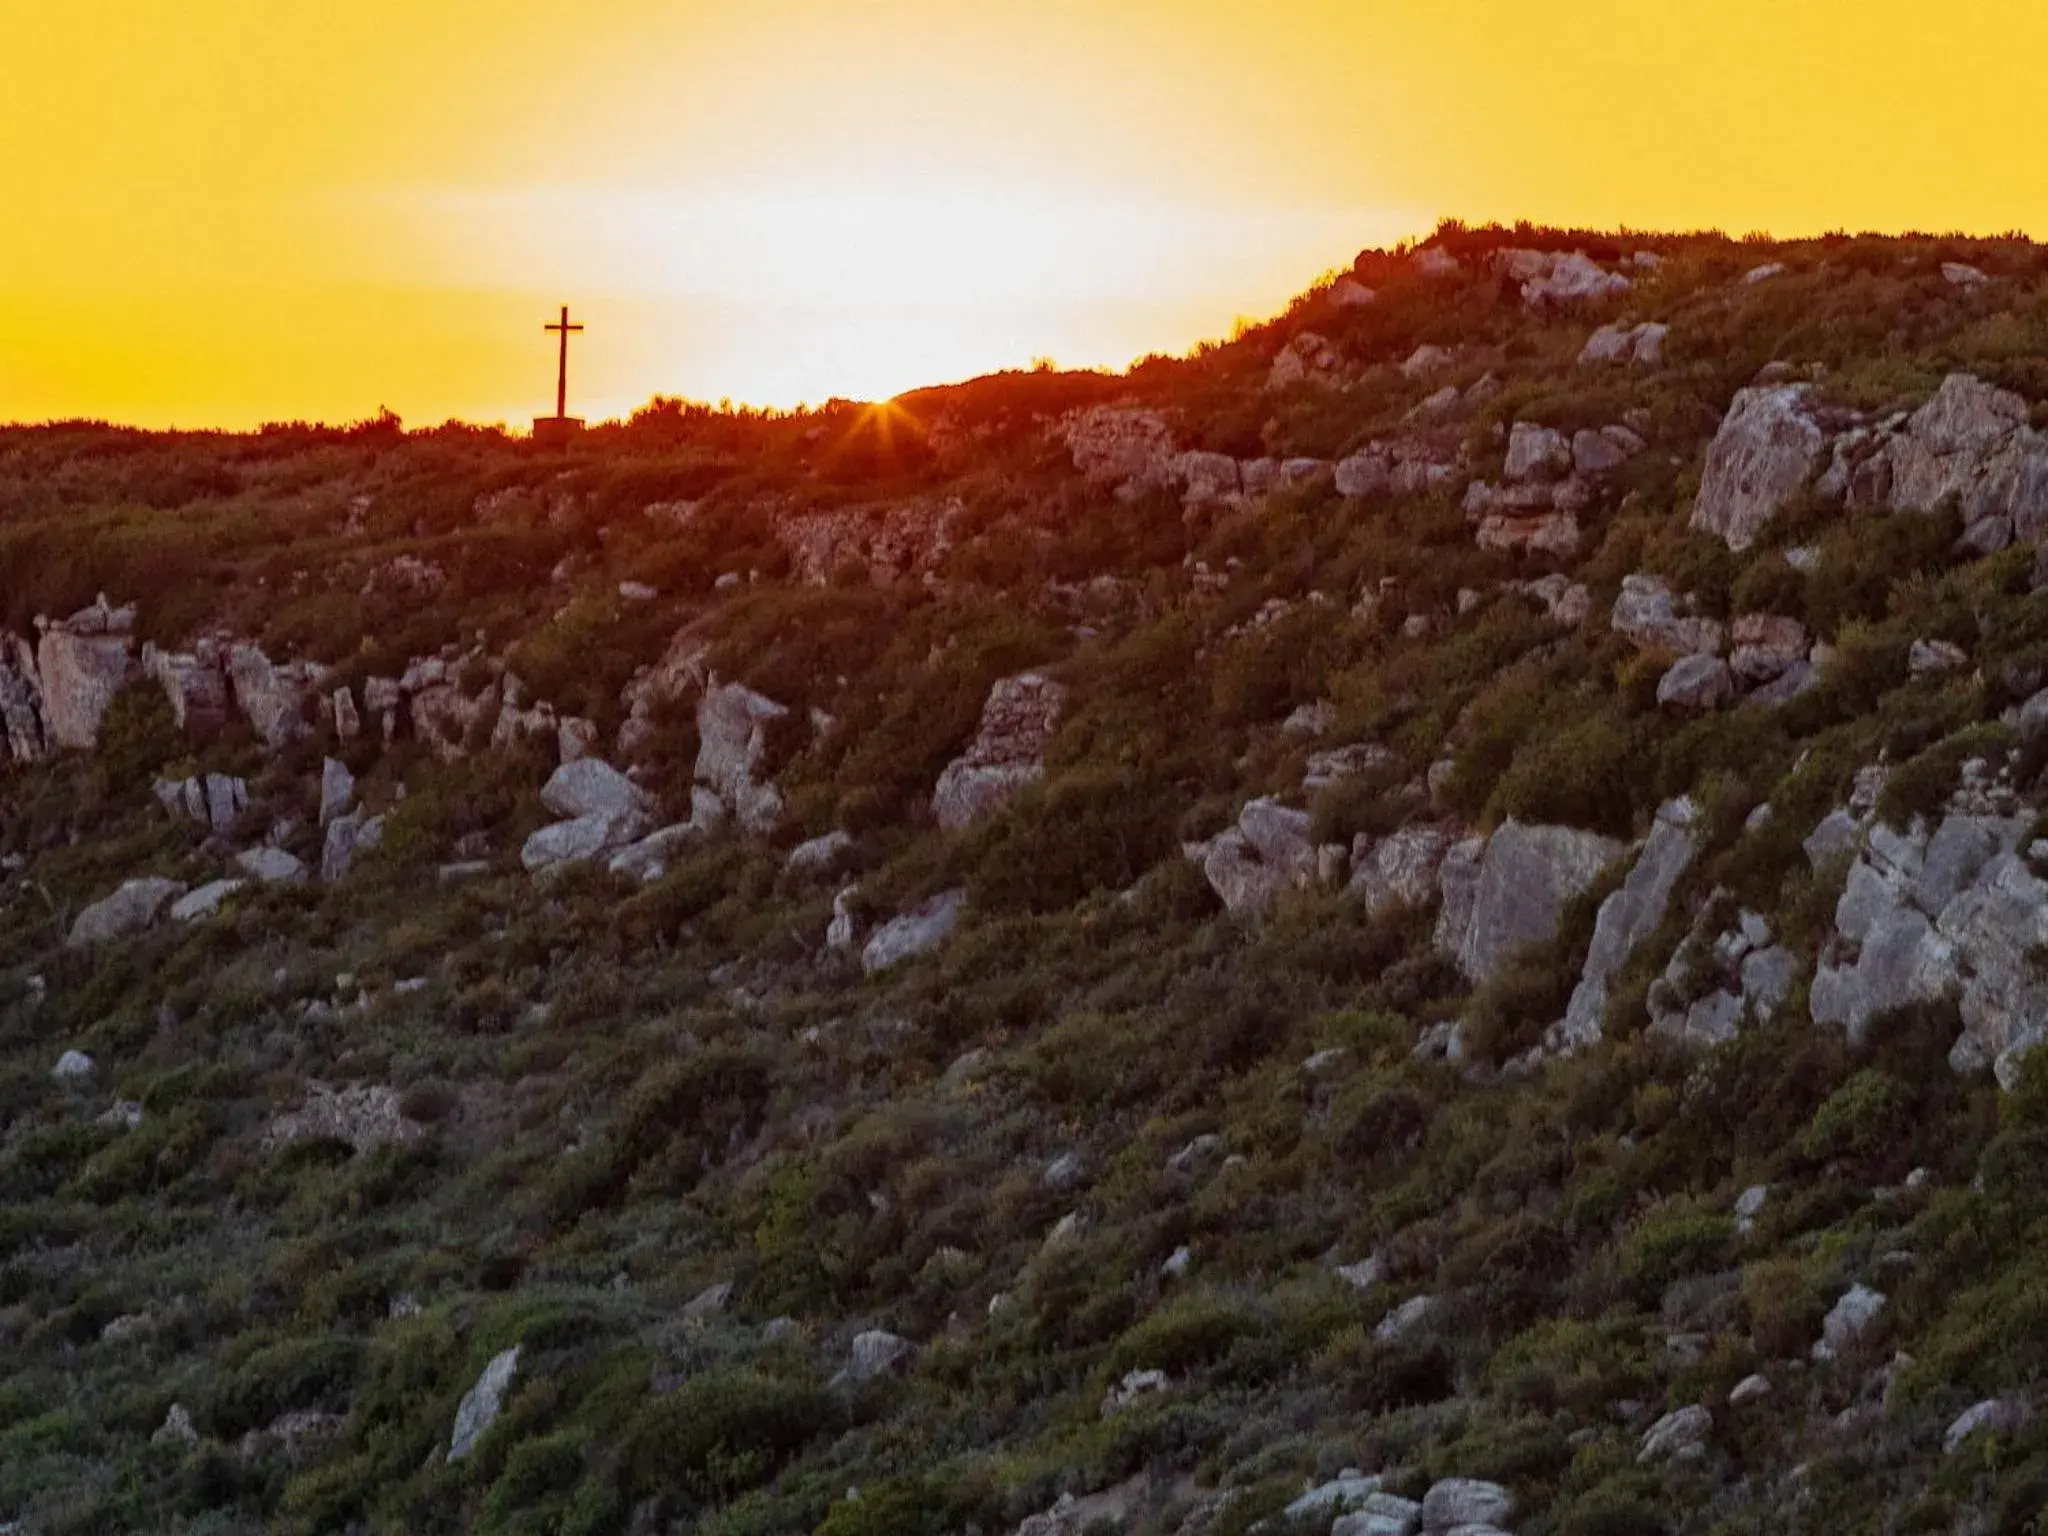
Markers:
(1768, 448)
(136, 905)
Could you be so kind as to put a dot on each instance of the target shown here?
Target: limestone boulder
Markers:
(194, 682)
(1626, 919)
(589, 786)
(337, 790)
(81, 664)
(135, 906)
(205, 902)
(1696, 684)
(918, 932)
(346, 837)
(1526, 876)
(650, 858)
(1641, 345)
(820, 855)
(1768, 448)
(1458, 1502)
(276, 699)
(1764, 646)
(1007, 753)
(271, 866)
(482, 1404)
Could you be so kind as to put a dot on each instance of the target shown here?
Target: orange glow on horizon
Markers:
(228, 211)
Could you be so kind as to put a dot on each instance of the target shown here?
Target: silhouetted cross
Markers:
(562, 371)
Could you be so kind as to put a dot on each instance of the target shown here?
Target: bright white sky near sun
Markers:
(227, 211)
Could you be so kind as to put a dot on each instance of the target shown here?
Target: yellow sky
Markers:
(219, 212)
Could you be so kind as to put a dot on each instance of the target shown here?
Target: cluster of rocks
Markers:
(1407, 466)
(213, 801)
(1948, 910)
(1641, 345)
(1360, 1505)
(1547, 481)
(1971, 443)
(1552, 280)
(1718, 979)
(1770, 658)
(1007, 753)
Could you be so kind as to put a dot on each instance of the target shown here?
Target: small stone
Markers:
(1405, 1319)
(874, 1354)
(1930, 656)
(72, 1066)
(1749, 1390)
(1176, 1265)
(1462, 1501)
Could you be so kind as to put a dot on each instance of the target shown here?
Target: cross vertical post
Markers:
(563, 327)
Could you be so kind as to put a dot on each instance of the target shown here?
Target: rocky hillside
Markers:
(1431, 920)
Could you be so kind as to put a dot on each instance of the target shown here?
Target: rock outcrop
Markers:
(1948, 911)
(1547, 480)
(1641, 345)
(1007, 753)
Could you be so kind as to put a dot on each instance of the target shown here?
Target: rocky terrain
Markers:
(1431, 920)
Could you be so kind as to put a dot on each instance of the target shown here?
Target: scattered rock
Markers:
(366, 1116)
(176, 1429)
(337, 790)
(271, 866)
(1993, 1416)
(1642, 345)
(918, 932)
(132, 908)
(1267, 854)
(1750, 1389)
(205, 902)
(1928, 656)
(483, 1403)
(72, 1066)
(1405, 1319)
(875, 1354)
(732, 736)
(1697, 684)
(1676, 1434)
(1652, 619)
(1849, 1322)
(1343, 1493)
(1135, 1385)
